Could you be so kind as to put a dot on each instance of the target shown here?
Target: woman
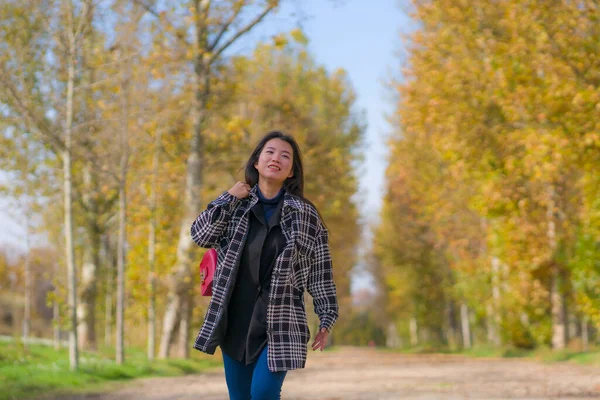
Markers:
(271, 245)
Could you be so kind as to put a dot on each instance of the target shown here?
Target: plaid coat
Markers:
(304, 264)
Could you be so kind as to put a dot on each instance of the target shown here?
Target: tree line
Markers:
(490, 226)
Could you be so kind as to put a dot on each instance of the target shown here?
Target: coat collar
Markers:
(289, 200)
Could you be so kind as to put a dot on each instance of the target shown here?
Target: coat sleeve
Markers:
(320, 282)
(208, 228)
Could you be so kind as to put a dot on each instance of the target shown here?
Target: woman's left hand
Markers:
(320, 340)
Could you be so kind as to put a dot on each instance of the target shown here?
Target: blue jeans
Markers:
(254, 381)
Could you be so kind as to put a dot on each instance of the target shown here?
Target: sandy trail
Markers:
(366, 374)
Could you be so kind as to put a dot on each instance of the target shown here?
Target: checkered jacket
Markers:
(304, 264)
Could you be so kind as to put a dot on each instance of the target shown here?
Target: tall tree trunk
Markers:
(108, 306)
(558, 319)
(491, 328)
(170, 322)
(28, 283)
(584, 335)
(426, 334)
(184, 327)
(120, 332)
(86, 310)
(578, 325)
(68, 199)
(87, 305)
(491, 310)
(206, 53)
(414, 332)
(494, 318)
(55, 310)
(181, 278)
(152, 250)
(121, 253)
(91, 255)
(465, 325)
(556, 295)
(450, 324)
(573, 330)
(392, 339)
(524, 318)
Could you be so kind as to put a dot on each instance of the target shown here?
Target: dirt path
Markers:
(364, 374)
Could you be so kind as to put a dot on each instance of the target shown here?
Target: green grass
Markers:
(29, 371)
(508, 352)
(542, 354)
(588, 358)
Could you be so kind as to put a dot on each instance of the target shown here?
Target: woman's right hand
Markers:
(240, 190)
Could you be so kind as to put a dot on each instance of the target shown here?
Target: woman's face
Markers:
(276, 161)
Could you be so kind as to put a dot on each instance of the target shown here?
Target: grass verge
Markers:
(31, 371)
(542, 354)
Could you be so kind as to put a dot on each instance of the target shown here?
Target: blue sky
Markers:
(363, 40)
(362, 37)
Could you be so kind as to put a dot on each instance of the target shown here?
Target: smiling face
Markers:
(276, 161)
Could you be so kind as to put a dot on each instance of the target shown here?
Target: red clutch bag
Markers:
(208, 265)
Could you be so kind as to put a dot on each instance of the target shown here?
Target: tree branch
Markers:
(158, 15)
(84, 20)
(28, 115)
(225, 27)
(241, 32)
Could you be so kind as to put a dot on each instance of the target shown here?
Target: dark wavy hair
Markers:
(293, 185)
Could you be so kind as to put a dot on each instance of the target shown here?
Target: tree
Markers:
(489, 95)
(217, 26)
(25, 101)
(75, 30)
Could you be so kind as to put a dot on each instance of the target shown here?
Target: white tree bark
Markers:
(120, 331)
(573, 326)
(68, 196)
(152, 250)
(122, 242)
(449, 326)
(392, 339)
(585, 340)
(465, 325)
(185, 326)
(86, 313)
(492, 331)
(414, 332)
(55, 311)
(88, 291)
(28, 283)
(74, 31)
(85, 308)
(494, 318)
(559, 331)
(108, 305)
(169, 325)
